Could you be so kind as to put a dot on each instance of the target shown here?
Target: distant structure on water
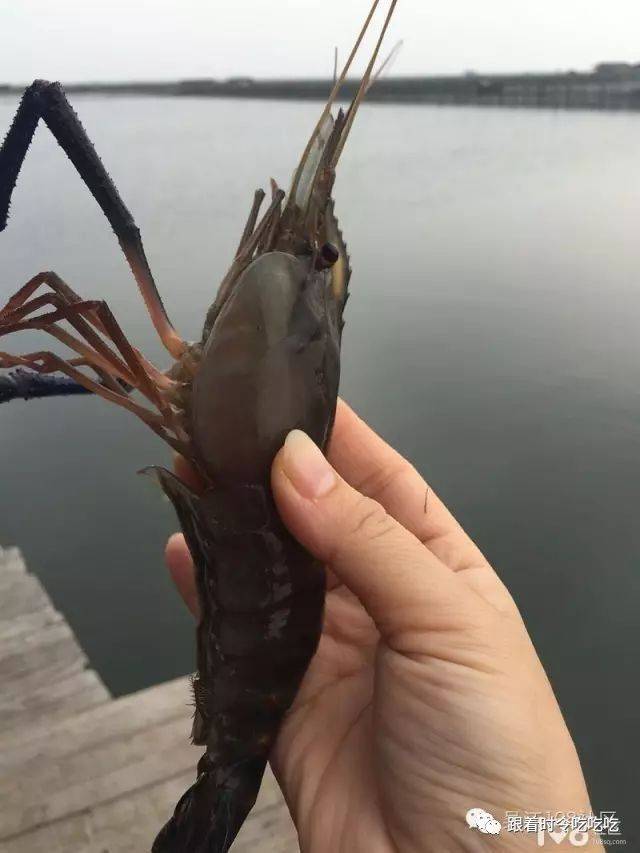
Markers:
(609, 86)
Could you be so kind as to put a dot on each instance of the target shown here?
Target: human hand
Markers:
(426, 697)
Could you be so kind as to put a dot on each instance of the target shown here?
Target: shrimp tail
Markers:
(210, 813)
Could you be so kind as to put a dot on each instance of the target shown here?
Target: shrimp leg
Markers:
(47, 101)
(23, 384)
(127, 365)
(48, 362)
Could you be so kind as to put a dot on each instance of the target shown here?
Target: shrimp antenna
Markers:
(330, 102)
(386, 64)
(364, 85)
(335, 64)
(342, 120)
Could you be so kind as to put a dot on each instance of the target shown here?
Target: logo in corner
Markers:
(483, 821)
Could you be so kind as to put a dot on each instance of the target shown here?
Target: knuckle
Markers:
(379, 481)
(370, 520)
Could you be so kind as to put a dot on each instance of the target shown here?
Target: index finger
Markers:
(378, 471)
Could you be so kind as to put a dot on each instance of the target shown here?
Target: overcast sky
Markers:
(79, 40)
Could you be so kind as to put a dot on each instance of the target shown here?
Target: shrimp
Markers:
(268, 361)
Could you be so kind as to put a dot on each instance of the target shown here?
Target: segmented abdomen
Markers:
(261, 602)
(261, 598)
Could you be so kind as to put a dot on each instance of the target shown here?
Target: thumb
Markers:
(402, 585)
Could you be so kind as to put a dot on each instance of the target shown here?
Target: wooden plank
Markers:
(105, 778)
(12, 569)
(122, 826)
(121, 718)
(43, 654)
(53, 790)
(28, 623)
(47, 703)
(42, 667)
(25, 685)
(10, 582)
(13, 559)
(128, 825)
(25, 596)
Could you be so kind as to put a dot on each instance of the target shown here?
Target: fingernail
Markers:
(306, 467)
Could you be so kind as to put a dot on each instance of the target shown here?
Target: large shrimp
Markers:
(268, 361)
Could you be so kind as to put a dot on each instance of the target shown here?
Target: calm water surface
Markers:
(492, 336)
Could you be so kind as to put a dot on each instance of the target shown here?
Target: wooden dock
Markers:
(81, 772)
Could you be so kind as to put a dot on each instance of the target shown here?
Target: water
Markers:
(492, 336)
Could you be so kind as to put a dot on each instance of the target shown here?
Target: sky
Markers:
(84, 40)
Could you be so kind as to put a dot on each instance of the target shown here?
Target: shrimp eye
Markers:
(327, 256)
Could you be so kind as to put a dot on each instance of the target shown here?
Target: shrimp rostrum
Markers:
(268, 361)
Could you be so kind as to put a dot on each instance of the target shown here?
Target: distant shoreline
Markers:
(610, 86)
